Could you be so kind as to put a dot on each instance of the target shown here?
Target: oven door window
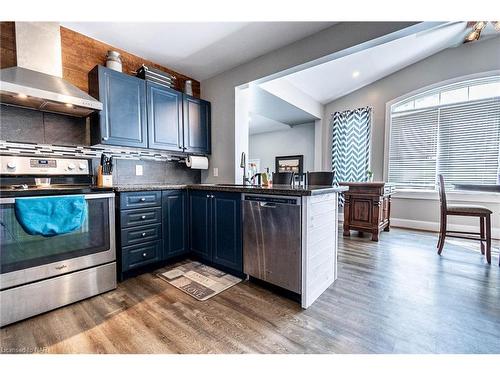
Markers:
(19, 250)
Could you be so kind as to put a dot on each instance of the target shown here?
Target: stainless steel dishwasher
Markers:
(272, 239)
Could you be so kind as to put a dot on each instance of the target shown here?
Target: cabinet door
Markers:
(196, 125)
(174, 223)
(164, 117)
(123, 120)
(200, 223)
(227, 247)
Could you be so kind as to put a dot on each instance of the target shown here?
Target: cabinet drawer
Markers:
(139, 235)
(130, 218)
(140, 199)
(140, 255)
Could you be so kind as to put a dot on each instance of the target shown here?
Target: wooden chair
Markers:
(320, 178)
(282, 178)
(481, 212)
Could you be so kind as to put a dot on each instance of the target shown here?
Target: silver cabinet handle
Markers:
(208, 195)
(105, 138)
(143, 199)
(143, 217)
(211, 196)
(144, 254)
(143, 234)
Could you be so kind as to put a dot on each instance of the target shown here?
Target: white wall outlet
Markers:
(216, 172)
(138, 170)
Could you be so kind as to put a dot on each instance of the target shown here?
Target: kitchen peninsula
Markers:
(230, 227)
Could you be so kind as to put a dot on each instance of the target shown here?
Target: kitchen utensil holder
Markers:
(104, 180)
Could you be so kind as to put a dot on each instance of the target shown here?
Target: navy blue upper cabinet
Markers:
(123, 119)
(164, 117)
(175, 239)
(200, 224)
(197, 124)
(227, 240)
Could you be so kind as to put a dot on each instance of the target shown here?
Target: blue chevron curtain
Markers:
(351, 144)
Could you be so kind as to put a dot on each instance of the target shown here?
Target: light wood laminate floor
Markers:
(394, 296)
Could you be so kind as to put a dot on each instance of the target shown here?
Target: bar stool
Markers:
(481, 212)
(282, 178)
(320, 178)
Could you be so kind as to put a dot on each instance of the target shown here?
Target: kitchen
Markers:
(144, 225)
(234, 187)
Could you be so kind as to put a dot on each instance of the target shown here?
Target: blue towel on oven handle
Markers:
(51, 216)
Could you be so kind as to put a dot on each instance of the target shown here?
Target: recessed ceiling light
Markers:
(22, 96)
(355, 74)
(69, 105)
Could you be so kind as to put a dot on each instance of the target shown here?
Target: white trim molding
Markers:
(452, 196)
(431, 226)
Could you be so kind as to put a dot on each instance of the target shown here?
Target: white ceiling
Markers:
(198, 49)
(270, 113)
(260, 124)
(333, 79)
(266, 104)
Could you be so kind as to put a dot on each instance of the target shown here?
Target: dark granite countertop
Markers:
(275, 189)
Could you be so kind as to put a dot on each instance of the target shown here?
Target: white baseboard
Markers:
(431, 226)
(434, 227)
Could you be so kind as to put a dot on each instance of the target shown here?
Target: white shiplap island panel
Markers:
(319, 245)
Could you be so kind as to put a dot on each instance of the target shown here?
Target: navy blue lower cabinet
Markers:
(200, 223)
(215, 228)
(139, 230)
(175, 225)
(227, 240)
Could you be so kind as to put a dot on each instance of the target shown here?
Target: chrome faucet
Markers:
(243, 164)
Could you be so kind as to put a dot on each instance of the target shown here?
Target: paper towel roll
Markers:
(197, 162)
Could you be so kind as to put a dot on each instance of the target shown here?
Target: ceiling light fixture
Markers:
(69, 105)
(355, 74)
(477, 27)
(22, 96)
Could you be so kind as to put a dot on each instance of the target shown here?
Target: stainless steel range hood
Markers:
(36, 80)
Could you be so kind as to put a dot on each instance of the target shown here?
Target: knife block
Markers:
(104, 180)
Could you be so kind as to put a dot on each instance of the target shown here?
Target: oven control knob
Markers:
(11, 165)
(82, 166)
(71, 166)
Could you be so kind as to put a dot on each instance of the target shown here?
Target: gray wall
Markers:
(451, 63)
(220, 90)
(298, 140)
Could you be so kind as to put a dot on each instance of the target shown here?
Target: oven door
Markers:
(25, 258)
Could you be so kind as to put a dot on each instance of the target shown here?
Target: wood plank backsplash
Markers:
(80, 54)
(8, 56)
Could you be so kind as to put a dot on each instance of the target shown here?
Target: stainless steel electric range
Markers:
(38, 273)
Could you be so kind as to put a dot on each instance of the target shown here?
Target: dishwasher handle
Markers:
(271, 201)
(267, 204)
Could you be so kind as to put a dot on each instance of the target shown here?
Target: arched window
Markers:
(453, 130)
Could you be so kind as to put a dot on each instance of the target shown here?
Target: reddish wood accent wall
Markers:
(80, 54)
(8, 56)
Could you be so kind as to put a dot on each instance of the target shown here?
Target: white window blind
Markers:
(412, 158)
(469, 142)
(457, 135)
